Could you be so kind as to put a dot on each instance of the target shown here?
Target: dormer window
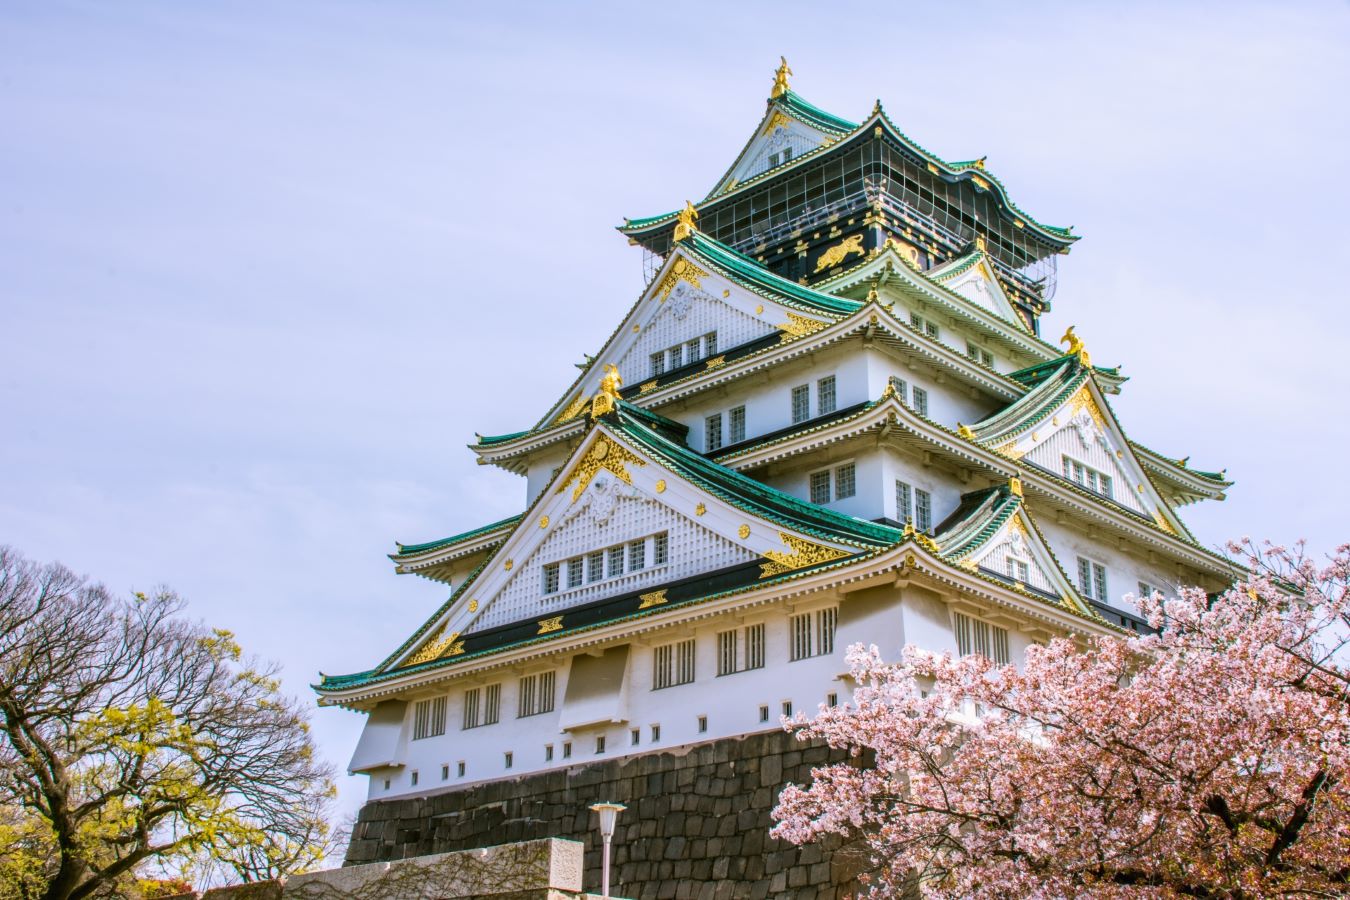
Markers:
(777, 159)
(1088, 477)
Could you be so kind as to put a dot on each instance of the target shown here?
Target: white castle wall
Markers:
(887, 617)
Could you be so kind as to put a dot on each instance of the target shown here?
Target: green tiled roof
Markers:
(487, 439)
(750, 273)
(412, 549)
(748, 494)
(977, 519)
(814, 115)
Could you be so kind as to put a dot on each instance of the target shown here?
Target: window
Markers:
(429, 718)
(551, 578)
(659, 547)
(445, 773)
(812, 634)
(509, 758)
(536, 695)
(658, 363)
(976, 636)
(492, 704)
(740, 649)
(1146, 589)
(692, 350)
(673, 664)
(459, 769)
(901, 388)
(923, 510)
(710, 344)
(845, 482)
(567, 749)
(656, 733)
(764, 713)
(386, 784)
(920, 401)
(473, 699)
(1088, 477)
(414, 778)
(1019, 570)
(1092, 579)
(825, 399)
(820, 487)
(801, 403)
(712, 432)
(831, 699)
(702, 724)
(548, 753)
(904, 509)
(574, 572)
(683, 353)
(615, 555)
(595, 566)
(736, 425)
(979, 354)
(926, 326)
(601, 564)
(599, 743)
(675, 357)
(787, 708)
(636, 736)
(637, 556)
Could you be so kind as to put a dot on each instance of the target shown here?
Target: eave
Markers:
(1055, 237)
(906, 563)
(1188, 485)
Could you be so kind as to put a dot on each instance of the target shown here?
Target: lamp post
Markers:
(609, 814)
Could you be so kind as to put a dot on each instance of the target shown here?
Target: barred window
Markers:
(927, 326)
(979, 354)
(536, 695)
(660, 544)
(845, 481)
(974, 636)
(1088, 477)
(904, 511)
(658, 363)
(820, 487)
(1019, 570)
(740, 649)
(637, 556)
(923, 510)
(473, 700)
(713, 432)
(801, 403)
(1092, 579)
(692, 349)
(901, 389)
(595, 566)
(710, 344)
(825, 398)
(551, 578)
(726, 653)
(492, 704)
(673, 664)
(921, 401)
(429, 718)
(676, 356)
(754, 646)
(574, 572)
(812, 634)
(616, 554)
(736, 425)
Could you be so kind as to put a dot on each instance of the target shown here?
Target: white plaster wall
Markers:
(542, 467)
(945, 489)
(869, 501)
(1123, 570)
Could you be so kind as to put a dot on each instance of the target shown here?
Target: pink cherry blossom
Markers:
(1208, 760)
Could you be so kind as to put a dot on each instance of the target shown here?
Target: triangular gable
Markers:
(1074, 426)
(785, 133)
(992, 532)
(613, 492)
(687, 299)
(972, 276)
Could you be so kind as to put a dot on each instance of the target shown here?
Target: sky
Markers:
(265, 268)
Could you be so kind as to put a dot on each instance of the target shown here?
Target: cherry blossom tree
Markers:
(1207, 760)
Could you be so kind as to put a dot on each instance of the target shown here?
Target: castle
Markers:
(829, 418)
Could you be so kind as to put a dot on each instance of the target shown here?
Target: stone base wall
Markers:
(697, 823)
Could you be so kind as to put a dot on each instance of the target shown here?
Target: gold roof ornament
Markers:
(1076, 348)
(780, 79)
(979, 244)
(979, 163)
(965, 432)
(608, 395)
(923, 540)
(684, 223)
(1015, 486)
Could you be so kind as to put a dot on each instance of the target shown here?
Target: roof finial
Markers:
(1076, 347)
(979, 163)
(979, 243)
(608, 395)
(684, 226)
(876, 107)
(780, 79)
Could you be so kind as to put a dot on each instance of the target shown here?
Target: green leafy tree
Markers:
(134, 741)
